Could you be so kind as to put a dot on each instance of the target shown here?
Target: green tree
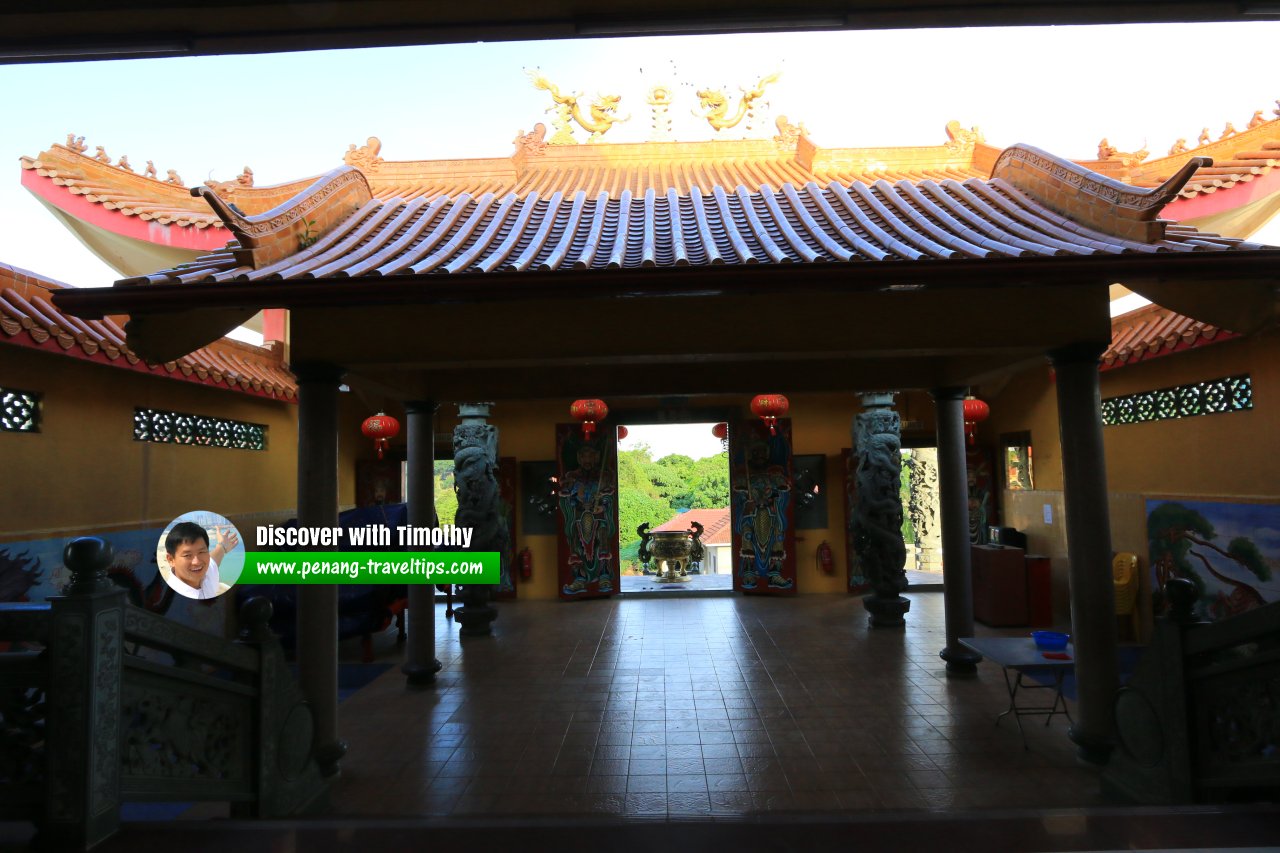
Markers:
(657, 491)
(446, 497)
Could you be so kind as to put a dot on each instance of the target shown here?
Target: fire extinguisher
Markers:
(826, 560)
(526, 564)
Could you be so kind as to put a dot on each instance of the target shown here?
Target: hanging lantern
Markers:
(589, 412)
(721, 431)
(975, 411)
(622, 433)
(381, 428)
(770, 407)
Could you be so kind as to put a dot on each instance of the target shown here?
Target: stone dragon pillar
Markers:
(877, 515)
(475, 466)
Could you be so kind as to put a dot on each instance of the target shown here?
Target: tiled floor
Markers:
(700, 707)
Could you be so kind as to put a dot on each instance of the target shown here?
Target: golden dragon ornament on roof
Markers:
(602, 114)
(715, 104)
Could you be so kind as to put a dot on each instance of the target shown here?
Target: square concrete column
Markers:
(317, 630)
(953, 488)
(420, 662)
(1093, 608)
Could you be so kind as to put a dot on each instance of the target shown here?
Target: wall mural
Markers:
(588, 496)
(764, 536)
(33, 571)
(1230, 551)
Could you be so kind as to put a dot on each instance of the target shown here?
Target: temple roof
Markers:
(1152, 331)
(1038, 223)
(28, 317)
(66, 171)
(1034, 205)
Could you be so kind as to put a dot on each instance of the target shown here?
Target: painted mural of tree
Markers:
(1178, 538)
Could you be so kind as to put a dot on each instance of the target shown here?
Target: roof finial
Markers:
(532, 143)
(365, 158)
(789, 134)
(1257, 119)
(659, 102)
(76, 143)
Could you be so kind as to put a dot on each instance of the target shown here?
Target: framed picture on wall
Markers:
(809, 475)
(538, 503)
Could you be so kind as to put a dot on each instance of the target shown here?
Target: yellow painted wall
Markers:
(83, 473)
(1228, 457)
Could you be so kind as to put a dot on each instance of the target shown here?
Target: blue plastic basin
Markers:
(1050, 641)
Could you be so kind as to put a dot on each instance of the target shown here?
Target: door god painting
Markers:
(587, 490)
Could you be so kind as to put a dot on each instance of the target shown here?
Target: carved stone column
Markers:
(318, 507)
(1084, 493)
(420, 662)
(957, 584)
(83, 702)
(877, 515)
(475, 465)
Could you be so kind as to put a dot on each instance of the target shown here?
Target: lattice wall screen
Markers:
(177, 428)
(19, 410)
(1211, 397)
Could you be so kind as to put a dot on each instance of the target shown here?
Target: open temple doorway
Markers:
(674, 478)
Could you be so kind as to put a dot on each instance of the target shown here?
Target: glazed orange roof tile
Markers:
(1153, 331)
(66, 174)
(1033, 205)
(29, 318)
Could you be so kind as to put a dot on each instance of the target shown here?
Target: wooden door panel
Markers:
(587, 488)
(764, 537)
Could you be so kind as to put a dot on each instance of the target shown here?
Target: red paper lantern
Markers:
(381, 428)
(589, 412)
(770, 407)
(622, 433)
(721, 431)
(975, 411)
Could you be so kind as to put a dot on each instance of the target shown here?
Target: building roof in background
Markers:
(1152, 331)
(716, 529)
(29, 318)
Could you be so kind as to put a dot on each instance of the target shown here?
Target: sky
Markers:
(1059, 88)
(692, 440)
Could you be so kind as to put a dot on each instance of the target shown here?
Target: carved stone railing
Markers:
(1200, 719)
(122, 705)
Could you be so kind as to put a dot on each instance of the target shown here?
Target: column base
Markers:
(886, 612)
(475, 621)
(329, 755)
(420, 675)
(961, 661)
(1089, 747)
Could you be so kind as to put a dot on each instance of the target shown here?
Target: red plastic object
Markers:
(1056, 655)
(1039, 591)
